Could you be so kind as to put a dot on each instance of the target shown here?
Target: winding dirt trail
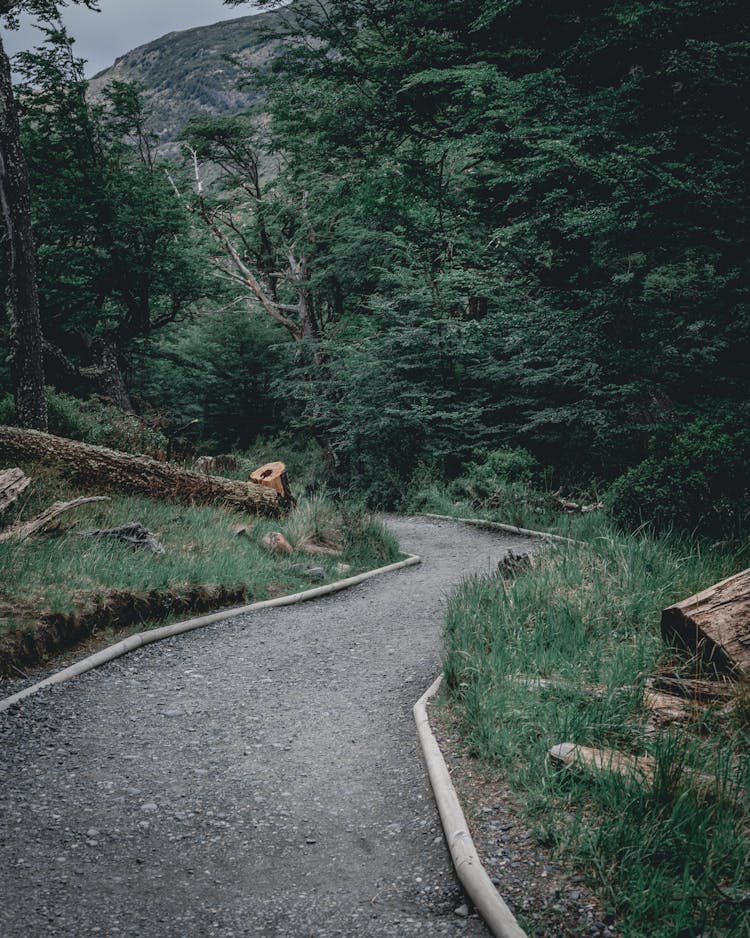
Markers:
(259, 777)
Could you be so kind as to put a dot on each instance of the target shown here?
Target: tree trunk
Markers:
(714, 624)
(26, 362)
(108, 375)
(107, 469)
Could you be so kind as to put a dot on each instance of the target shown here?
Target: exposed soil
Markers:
(112, 611)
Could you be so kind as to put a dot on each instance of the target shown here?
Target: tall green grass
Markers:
(202, 548)
(671, 859)
(513, 503)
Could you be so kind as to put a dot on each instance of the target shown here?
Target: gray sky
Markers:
(124, 24)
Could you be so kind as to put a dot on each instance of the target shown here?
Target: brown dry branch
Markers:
(13, 482)
(47, 519)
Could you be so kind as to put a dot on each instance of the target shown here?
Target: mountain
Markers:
(187, 73)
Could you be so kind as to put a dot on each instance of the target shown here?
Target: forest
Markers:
(449, 231)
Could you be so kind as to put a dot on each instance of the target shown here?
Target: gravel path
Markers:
(259, 777)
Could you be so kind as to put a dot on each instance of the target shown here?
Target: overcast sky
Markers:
(124, 24)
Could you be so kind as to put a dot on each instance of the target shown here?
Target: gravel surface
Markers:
(258, 777)
(548, 900)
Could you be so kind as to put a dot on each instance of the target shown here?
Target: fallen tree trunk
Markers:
(13, 482)
(642, 769)
(138, 475)
(714, 624)
(693, 689)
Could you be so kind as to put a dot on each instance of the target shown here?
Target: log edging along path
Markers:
(134, 642)
(485, 525)
(469, 869)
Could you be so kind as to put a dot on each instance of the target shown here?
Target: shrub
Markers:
(7, 410)
(92, 421)
(495, 472)
(695, 481)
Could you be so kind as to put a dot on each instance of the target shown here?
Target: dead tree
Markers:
(299, 319)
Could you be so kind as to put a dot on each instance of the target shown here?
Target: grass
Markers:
(514, 503)
(670, 858)
(201, 548)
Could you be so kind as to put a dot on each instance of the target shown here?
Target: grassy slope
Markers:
(201, 548)
(669, 859)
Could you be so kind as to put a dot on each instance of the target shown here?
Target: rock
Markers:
(343, 568)
(149, 807)
(462, 911)
(276, 543)
(314, 574)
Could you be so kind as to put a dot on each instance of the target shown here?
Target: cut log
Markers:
(13, 482)
(46, 519)
(640, 768)
(139, 475)
(666, 707)
(274, 475)
(714, 624)
(604, 760)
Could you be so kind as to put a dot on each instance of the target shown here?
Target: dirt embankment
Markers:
(116, 610)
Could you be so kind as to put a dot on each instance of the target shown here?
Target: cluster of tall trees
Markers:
(471, 223)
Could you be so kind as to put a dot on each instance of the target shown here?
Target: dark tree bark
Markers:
(26, 361)
(109, 378)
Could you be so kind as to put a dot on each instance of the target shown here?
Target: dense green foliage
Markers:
(113, 245)
(530, 222)
(512, 225)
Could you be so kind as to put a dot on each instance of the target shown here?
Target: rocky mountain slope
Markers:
(196, 71)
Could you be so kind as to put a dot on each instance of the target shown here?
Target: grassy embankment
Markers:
(68, 573)
(670, 857)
